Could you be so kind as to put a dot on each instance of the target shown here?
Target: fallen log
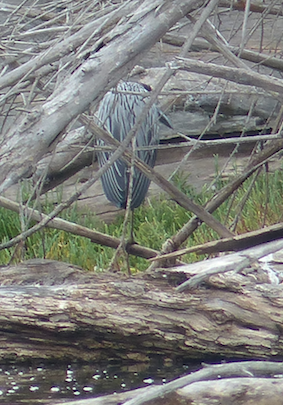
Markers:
(55, 311)
(246, 382)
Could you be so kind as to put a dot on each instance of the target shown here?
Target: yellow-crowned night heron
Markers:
(118, 113)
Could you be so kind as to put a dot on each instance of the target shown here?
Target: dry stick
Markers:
(48, 18)
(244, 28)
(260, 21)
(123, 240)
(210, 33)
(199, 139)
(216, 142)
(242, 203)
(85, 160)
(86, 85)
(169, 188)
(255, 8)
(91, 36)
(275, 128)
(235, 149)
(237, 243)
(198, 24)
(37, 188)
(238, 369)
(219, 198)
(256, 57)
(226, 191)
(237, 75)
(66, 46)
(190, 142)
(63, 225)
(241, 76)
(235, 262)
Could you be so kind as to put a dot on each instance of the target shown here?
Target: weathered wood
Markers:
(27, 141)
(250, 380)
(201, 44)
(236, 262)
(237, 75)
(256, 381)
(175, 242)
(73, 153)
(260, 391)
(254, 7)
(67, 226)
(237, 243)
(212, 373)
(66, 45)
(51, 310)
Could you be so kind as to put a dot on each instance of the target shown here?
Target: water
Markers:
(44, 383)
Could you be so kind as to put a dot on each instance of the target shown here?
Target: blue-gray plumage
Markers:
(118, 113)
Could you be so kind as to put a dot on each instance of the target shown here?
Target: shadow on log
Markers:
(54, 311)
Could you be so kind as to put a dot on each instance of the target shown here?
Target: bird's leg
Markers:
(131, 240)
(129, 213)
(122, 248)
(130, 193)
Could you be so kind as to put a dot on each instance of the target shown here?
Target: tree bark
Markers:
(55, 311)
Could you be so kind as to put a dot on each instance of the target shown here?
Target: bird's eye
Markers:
(146, 86)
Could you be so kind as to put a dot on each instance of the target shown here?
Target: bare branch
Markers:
(234, 262)
(63, 225)
(243, 369)
(36, 131)
(237, 75)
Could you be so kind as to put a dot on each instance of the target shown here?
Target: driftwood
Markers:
(94, 236)
(55, 311)
(246, 382)
(235, 262)
(175, 242)
(33, 133)
(201, 44)
(72, 154)
(237, 243)
(186, 394)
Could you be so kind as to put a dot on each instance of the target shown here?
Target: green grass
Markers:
(154, 223)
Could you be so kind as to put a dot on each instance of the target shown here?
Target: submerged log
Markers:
(251, 382)
(55, 311)
(260, 391)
